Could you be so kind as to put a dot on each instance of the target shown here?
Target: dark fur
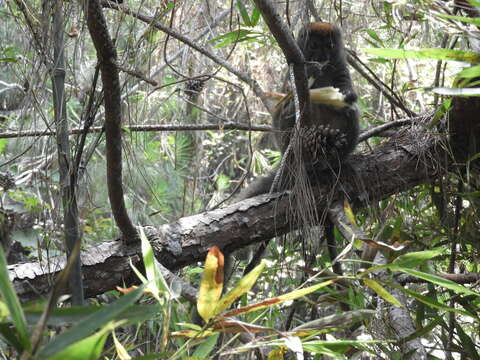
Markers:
(325, 55)
(331, 133)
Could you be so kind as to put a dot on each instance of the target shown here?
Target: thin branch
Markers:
(138, 75)
(145, 128)
(365, 135)
(355, 62)
(293, 54)
(151, 21)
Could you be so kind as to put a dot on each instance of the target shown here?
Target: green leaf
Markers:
(156, 280)
(3, 145)
(468, 345)
(89, 348)
(222, 182)
(255, 16)
(242, 287)
(374, 36)
(244, 13)
(235, 37)
(10, 336)
(8, 59)
(13, 304)
(278, 299)
(382, 292)
(471, 72)
(414, 259)
(467, 20)
(443, 109)
(432, 54)
(379, 60)
(434, 279)
(338, 345)
(90, 323)
(430, 301)
(181, 146)
(340, 320)
(75, 314)
(206, 347)
(320, 349)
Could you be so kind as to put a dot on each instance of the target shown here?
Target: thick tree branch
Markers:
(293, 54)
(107, 57)
(412, 158)
(395, 321)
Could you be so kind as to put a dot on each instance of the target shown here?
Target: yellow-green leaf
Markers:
(12, 302)
(431, 301)
(469, 73)
(149, 262)
(278, 353)
(278, 299)
(211, 285)
(120, 349)
(474, 21)
(382, 292)
(192, 334)
(349, 212)
(242, 287)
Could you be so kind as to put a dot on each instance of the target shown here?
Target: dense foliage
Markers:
(410, 60)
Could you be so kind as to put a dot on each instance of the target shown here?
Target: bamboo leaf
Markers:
(414, 259)
(470, 73)
(89, 348)
(255, 17)
(278, 300)
(382, 292)
(211, 285)
(429, 54)
(434, 279)
(242, 287)
(430, 301)
(206, 347)
(244, 13)
(13, 304)
(89, 324)
(155, 279)
(467, 20)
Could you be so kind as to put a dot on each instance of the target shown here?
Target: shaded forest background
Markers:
(197, 81)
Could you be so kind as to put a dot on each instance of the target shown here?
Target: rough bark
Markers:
(393, 322)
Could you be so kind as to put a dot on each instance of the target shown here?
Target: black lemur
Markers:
(332, 131)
